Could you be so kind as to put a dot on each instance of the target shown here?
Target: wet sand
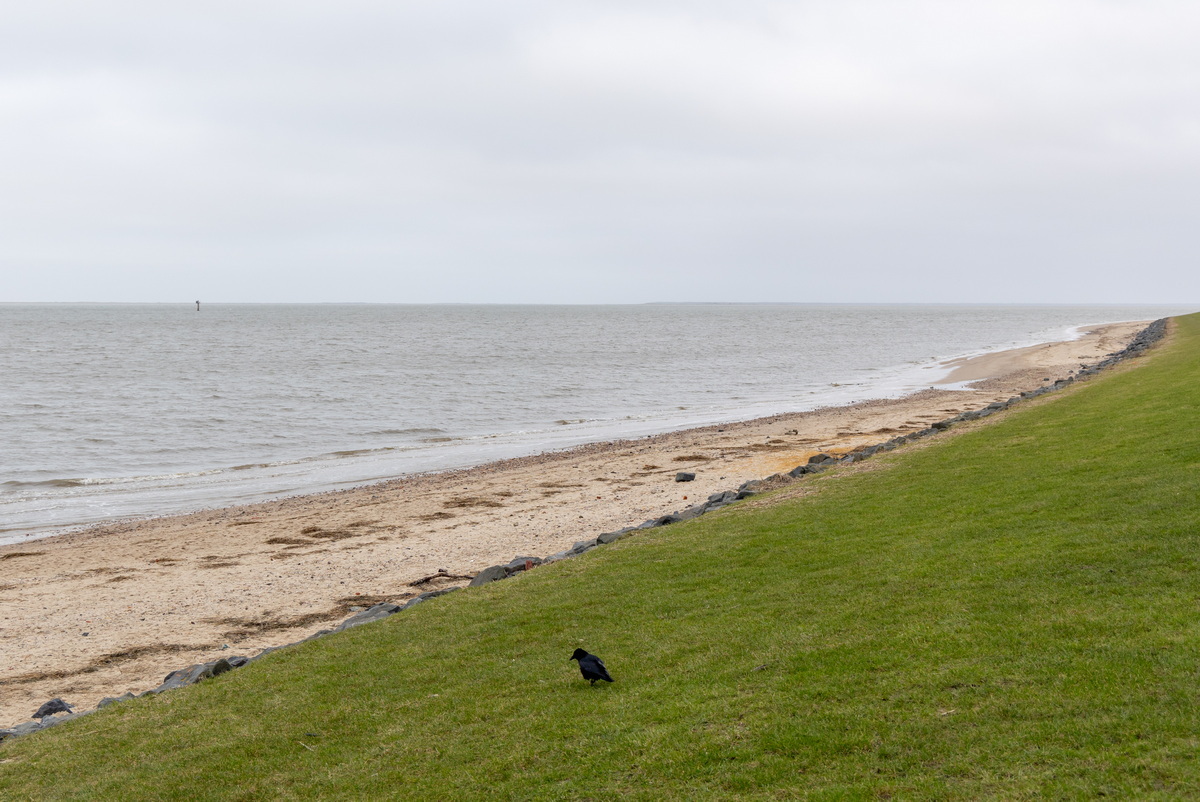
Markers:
(114, 608)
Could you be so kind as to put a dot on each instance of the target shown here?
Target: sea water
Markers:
(121, 410)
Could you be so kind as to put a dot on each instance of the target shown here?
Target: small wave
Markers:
(571, 421)
(415, 430)
(158, 477)
(438, 439)
(46, 483)
(91, 481)
(349, 452)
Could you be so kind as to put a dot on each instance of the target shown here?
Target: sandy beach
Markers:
(113, 608)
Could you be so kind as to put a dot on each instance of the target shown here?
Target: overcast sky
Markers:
(458, 151)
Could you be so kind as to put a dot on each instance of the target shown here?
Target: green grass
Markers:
(1010, 613)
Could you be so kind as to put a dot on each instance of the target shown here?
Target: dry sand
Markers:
(114, 608)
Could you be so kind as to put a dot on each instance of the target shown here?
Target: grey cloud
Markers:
(599, 151)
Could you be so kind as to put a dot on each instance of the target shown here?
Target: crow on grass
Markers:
(591, 666)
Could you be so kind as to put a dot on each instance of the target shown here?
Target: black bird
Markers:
(591, 666)
(52, 707)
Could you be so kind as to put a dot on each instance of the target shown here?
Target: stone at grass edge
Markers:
(19, 730)
(613, 537)
(193, 674)
(51, 708)
(751, 485)
(110, 700)
(584, 545)
(520, 563)
(490, 574)
(375, 613)
(62, 718)
(433, 594)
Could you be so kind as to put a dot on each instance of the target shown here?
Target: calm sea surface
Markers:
(110, 411)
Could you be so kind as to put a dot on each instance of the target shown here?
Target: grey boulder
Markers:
(375, 613)
(112, 700)
(490, 574)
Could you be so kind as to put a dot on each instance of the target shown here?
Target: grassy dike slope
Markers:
(1012, 612)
